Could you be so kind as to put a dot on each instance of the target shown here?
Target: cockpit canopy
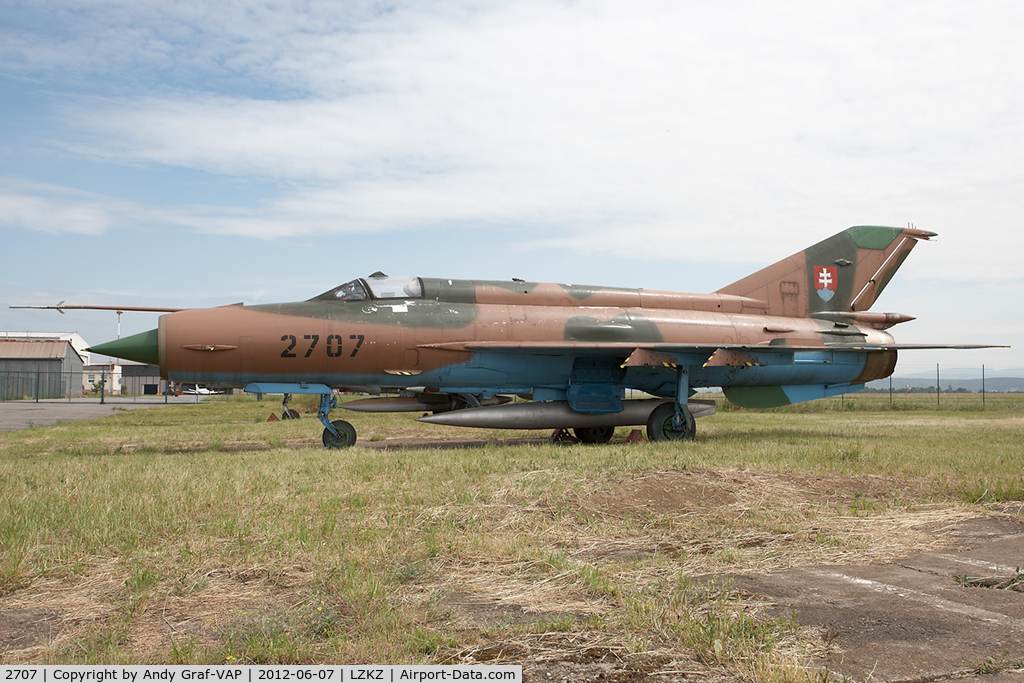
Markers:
(384, 287)
(377, 286)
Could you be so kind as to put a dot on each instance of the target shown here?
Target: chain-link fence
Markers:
(39, 385)
(17, 385)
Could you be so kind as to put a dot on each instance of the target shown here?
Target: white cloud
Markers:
(678, 130)
(55, 209)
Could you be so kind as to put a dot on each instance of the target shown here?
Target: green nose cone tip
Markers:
(141, 348)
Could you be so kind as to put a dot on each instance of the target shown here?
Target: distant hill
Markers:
(953, 372)
(995, 385)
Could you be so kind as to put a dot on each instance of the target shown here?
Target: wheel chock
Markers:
(636, 436)
(563, 436)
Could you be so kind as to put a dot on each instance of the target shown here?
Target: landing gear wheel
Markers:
(662, 426)
(594, 434)
(345, 430)
(286, 412)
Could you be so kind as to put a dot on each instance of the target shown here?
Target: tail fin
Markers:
(845, 272)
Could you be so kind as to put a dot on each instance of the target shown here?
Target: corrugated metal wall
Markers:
(39, 383)
(39, 369)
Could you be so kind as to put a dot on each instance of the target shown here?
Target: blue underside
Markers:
(550, 377)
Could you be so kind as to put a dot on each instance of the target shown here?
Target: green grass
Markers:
(204, 534)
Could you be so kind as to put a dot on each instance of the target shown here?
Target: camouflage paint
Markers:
(874, 236)
(583, 344)
(788, 287)
(623, 327)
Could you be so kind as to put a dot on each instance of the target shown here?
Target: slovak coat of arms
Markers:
(825, 278)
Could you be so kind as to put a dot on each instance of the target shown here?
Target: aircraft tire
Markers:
(661, 427)
(347, 432)
(594, 434)
(291, 414)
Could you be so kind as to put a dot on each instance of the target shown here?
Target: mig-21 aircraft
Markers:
(795, 331)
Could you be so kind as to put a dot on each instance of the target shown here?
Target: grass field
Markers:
(205, 534)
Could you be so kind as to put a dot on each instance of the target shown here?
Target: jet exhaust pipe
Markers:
(557, 415)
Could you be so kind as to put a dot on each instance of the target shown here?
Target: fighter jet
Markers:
(461, 350)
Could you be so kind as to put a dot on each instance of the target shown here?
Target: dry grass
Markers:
(205, 534)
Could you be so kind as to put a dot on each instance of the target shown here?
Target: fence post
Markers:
(37, 386)
(103, 387)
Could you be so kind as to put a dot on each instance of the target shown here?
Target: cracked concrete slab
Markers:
(917, 618)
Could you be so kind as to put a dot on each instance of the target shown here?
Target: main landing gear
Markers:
(594, 434)
(343, 435)
(337, 434)
(588, 435)
(674, 421)
(670, 422)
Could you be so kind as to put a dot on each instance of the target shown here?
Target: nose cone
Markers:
(141, 348)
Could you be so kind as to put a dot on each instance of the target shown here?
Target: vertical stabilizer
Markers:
(845, 272)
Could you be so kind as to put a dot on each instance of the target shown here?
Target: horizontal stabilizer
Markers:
(913, 347)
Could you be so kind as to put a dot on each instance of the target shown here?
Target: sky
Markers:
(192, 153)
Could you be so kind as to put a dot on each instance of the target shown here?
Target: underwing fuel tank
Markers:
(558, 415)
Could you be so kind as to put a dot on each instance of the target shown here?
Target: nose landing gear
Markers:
(337, 434)
(286, 412)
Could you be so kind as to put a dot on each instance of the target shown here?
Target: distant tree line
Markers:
(917, 390)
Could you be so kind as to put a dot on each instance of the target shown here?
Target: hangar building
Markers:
(39, 368)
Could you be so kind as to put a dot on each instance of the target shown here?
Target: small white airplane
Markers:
(201, 391)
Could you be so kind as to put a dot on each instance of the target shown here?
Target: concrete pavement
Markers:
(17, 415)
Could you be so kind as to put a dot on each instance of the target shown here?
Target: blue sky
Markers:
(195, 154)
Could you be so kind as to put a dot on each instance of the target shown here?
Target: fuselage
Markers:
(512, 337)
(797, 330)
